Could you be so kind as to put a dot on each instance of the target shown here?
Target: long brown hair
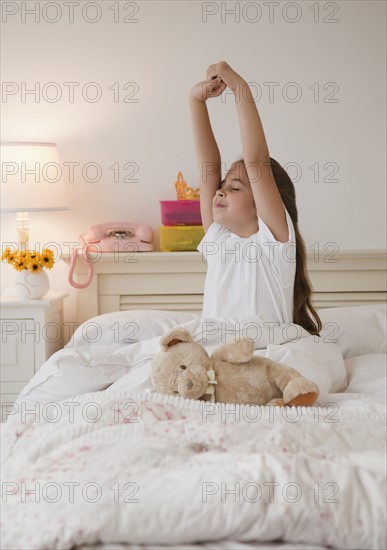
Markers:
(304, 314)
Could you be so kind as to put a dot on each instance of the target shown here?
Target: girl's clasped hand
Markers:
(219, 77)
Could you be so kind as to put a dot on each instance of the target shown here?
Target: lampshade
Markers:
(32, 178)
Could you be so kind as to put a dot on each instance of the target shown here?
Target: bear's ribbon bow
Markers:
(211, 385)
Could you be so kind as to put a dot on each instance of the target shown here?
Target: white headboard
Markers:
(175, 280)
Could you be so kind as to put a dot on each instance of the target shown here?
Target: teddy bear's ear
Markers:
(175, 336)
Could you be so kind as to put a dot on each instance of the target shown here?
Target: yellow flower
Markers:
(47, 260)
(19, 261)
(34, 266)
(5, 254)
(47, 252)
(19, 265)
(32, 255)
(11, 258)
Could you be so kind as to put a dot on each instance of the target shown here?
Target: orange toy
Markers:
(184, 192)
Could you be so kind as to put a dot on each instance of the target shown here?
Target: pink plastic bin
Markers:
(180, 213)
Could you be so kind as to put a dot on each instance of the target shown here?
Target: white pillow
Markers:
(358, 330)
(320, 362)
(127, 327)
(367, 374)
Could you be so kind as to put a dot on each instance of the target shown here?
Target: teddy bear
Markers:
(232, 374)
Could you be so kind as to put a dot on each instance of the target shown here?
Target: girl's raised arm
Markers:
(207, 151)
(256, 155)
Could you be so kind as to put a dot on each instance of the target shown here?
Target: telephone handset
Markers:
(110, 237)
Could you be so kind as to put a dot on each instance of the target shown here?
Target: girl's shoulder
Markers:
(214, 235)
(215, 231)
(266, 236)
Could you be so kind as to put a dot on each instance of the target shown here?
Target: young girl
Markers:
(256, 260)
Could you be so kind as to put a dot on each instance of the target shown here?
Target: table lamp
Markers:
(31, 181)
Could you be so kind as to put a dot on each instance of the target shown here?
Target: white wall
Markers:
(164, 54)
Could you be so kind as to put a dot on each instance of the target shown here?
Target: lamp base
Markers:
(23, 226)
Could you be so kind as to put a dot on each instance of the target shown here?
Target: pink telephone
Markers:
(110, 237)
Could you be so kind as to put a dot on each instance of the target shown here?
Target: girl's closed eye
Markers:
(236, 186)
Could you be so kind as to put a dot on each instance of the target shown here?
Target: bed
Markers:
(92, 458)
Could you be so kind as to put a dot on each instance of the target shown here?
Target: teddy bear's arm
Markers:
(236, 352)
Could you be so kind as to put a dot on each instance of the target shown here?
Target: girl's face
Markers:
(233, 205)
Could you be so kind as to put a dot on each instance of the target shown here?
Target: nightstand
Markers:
(31, 331)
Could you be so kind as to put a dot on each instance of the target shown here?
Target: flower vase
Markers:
(30, 285)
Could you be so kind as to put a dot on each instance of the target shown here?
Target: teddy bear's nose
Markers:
(189, 385)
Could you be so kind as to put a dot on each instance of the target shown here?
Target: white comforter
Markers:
(118, 466)
(149, 472)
